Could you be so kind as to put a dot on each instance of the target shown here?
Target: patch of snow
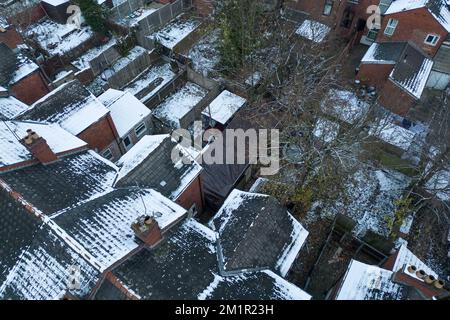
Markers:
(174, 108)
(344, 105)
(223, 108)
(126, 111)
(326, 130)
(138, 153)
(175, 32)
(313, 30)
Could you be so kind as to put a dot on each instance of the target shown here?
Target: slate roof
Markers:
(149, 165)
(102, 225)
(442, 59)
(367, 282)
(219, 179)
(184, 267)
(64, 183)
(14, 152)
(412, 71)
(71, 105)
(34, 262)
(384, 52)
(255, 231)
(8, 64)
(10, 107)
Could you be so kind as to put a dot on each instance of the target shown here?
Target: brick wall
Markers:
(204, 7)
(11, 38)
(396, 99)
(101, 134)
(192, 194)
(374, 74)
(414, 26)
(30, 89)
(314, 10)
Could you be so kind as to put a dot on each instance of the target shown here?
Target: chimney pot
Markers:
(421, 274)
(439, 284)
(39, 148)
(147, 229)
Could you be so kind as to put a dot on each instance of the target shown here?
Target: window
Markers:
(107, 154)
(384, 5)
(328, 7)
(372, 34)
(347, 18)
(390, 28)
(431, 39)
(140, 130)
(127, 143)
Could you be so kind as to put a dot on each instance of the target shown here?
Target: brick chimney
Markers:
(147, 230)
(425, 285)
(39, 148)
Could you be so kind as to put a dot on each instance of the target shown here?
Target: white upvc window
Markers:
(431, 39)
(390, 28)
(108, 154)
(327, 7)
(384, 5)
(140, 130)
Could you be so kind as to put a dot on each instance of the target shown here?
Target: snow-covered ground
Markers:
(205, 53)
(368, 198)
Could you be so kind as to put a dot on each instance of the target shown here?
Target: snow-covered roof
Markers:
(83, 61)
(223, 108)
(383, 53)
(393, 134)
(174, 108)
(24, 68)
(184, 267)
(438, 8)
(367, 282)
(313, 30)
(175, 32)
(10, 107)
(344, 105)
(439, 184)
(149, 164)
(138, 153)
(326, 130)
(58, 38)
(412, 71)
(406, 257)
(256, 231)
(71, 105)
(35, 261)
(126, 111)
(13, 151)
(103, 225)
(55, 3)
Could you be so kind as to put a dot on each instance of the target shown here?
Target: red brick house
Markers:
(79, 112)
(9, 35)
(347, 18)
(18, 74)
(399, 71)
(424, 22)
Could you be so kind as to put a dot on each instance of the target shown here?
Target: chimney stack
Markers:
(39, 148)
(146, 228)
